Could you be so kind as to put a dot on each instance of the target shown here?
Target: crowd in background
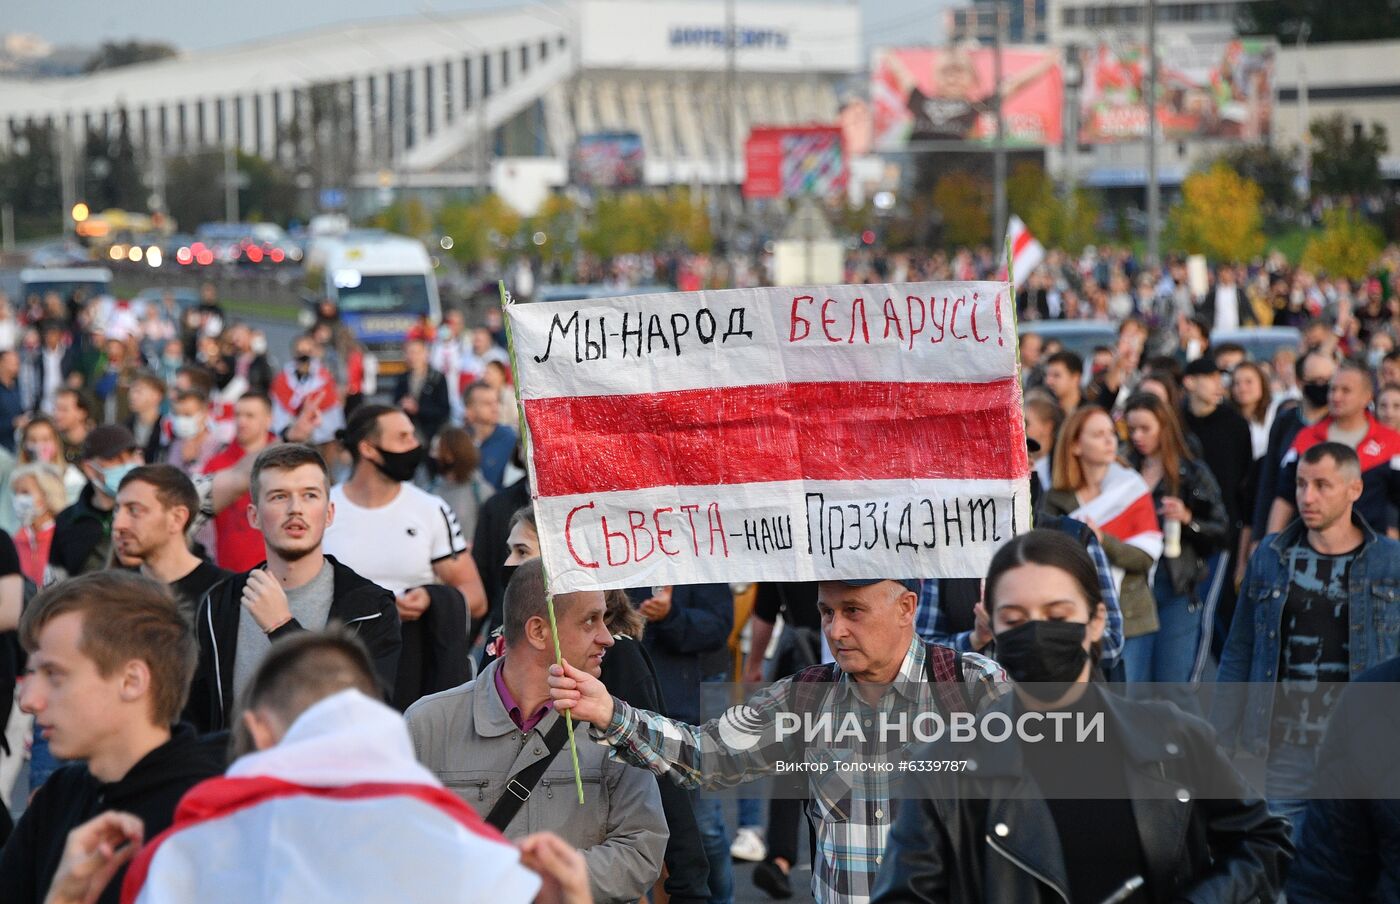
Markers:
(1218, 518)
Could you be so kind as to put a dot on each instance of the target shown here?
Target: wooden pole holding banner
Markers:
(530, 475)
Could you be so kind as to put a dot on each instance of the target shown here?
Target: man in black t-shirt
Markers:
(154, 506)
(1228, 450)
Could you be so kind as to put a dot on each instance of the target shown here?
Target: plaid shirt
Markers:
(931, 623)
(743, 743)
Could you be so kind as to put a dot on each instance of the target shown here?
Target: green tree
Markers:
(406, 217)
(1348, 245)
(686, 221)
(29, 180)
(115, 54)
(1218, 216)
(1353, 20)
(962, 200)
(112, 178)
(1054, 218)
(623, 223)
(1346, 158)
(195, 189)
(479, 229)
(1272, 169)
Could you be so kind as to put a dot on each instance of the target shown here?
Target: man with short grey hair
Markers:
(496, 742)
(880, 665)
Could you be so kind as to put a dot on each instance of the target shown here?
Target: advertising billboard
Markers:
(945, 94)
(607, 160)
(1220, 89)
(794, 162)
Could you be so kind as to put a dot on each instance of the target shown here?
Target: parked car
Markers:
(1078, 336)
(1260, 342)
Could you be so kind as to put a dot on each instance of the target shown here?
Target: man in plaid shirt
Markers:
(882, 669)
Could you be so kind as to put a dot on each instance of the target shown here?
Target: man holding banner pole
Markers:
(869, 626)
(831, 434)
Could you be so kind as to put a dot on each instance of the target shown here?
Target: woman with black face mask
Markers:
(1139, 807)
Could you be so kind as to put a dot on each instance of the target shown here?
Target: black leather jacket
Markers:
(1209, 530)
(985, 835)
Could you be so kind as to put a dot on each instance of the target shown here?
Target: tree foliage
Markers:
(195, 189)
(638, 222)
(480, 229)
(1347, 246)
(965, 205)
(409, 216)
(1218, 216)
(1272, 169)
(111, 176)
(1352, 20)
(29, 179)
(1346, 158)
(1055, 219)
(115, 54)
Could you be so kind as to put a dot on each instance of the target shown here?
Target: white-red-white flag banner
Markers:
(1026, 252)
(773, 434)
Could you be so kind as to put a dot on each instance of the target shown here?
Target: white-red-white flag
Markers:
(800, 434)
(340, 810)
(1124, 509)
(1026, 252)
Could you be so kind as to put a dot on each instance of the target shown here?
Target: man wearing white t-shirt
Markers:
(395, 534)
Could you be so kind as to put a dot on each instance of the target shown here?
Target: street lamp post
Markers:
(1154, 188)
(999, 156)
(1305, 165)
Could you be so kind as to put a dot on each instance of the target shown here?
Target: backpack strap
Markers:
(944, 668)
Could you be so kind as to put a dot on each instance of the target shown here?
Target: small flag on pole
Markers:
(1026, 252)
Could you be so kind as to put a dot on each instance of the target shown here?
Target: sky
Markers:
(203, 24)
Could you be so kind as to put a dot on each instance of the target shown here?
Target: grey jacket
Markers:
(466, 737)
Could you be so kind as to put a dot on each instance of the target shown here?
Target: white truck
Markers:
(383, 285)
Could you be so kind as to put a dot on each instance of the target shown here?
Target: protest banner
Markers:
(773, 434)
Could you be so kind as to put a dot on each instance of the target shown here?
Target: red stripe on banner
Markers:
(782, 431)
(1138, 518)
(1020, 243)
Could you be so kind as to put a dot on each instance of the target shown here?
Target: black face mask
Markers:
(1043, 652)
(1315, 394)
(508, 572)
(434, 466)
(400, 466)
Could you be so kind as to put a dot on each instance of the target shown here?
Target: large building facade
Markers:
(468, 100)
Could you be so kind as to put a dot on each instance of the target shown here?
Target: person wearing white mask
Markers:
(39, 444)
(195, 444)
(38, 494)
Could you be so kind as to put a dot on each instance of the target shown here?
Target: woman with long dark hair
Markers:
(1189, 575)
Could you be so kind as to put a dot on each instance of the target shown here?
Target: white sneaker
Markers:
(748, 846)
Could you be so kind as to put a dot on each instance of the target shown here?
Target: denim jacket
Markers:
(1243, 716)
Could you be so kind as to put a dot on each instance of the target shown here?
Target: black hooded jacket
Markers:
(72, 796)
(363, 607)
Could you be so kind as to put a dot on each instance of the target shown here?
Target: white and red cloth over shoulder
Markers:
(338, 811)
(1124, 509)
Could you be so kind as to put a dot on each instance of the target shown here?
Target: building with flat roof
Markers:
(439, 101)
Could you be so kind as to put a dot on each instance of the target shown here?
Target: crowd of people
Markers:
(285, 625)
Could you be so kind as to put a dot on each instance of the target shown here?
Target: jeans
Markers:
(750, 813)
(714, 835)
(1175, 652)
(1288, 775)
